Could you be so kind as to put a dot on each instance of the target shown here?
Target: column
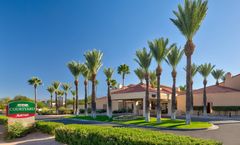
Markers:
(135, 107)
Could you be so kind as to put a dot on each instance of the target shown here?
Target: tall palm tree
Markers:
(123, 70)
(35, 82)
(56, 85)
(218, 74)
(60, 93)
(205, 70)
(66, 87)
(108, 73)
(144, 59)
(188, 20)
(86, 76)
(93, 63)
(173, 59)
(73, 92)
(51, 89)
(153, 79)
(160, 51)
(76, 69)
(140, 74)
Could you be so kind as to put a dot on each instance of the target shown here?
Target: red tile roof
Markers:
(216, 89)
(141, 88)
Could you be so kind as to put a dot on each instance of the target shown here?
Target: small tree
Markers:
(66, 87)
(35, 82)
(218, 74)
(123, 70)
(51, 89)
(108, 73)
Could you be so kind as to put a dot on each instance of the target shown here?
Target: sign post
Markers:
(22, 112)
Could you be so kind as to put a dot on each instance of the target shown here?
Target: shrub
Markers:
(63, 110)
(92, 135)
(46, 111)
(83, 110)
(48, 127)
(17, 130)
(123, 110)
(101, 111)
(226, 108)
(3, 120)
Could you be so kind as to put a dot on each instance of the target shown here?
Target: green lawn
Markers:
(166, 122)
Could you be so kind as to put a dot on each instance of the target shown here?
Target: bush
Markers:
(48, 127)
(92, 135)
(198, 108)
(46, 111)
(17, 130)
(3, 120)
(226, 108)
(101, 111)
(123, 110)
(63, 110)
(83, 110)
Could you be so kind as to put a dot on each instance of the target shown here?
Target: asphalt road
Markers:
(227, 133)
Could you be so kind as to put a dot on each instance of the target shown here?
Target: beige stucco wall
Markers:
(218, 99)
(232, 82)
(137, 95)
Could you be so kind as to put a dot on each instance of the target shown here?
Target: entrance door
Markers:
(209, 107)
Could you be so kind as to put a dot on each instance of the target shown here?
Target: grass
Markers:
(166, 122)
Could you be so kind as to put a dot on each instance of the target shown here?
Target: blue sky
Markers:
(38, 38)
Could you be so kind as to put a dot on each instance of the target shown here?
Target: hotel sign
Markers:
(21, 109)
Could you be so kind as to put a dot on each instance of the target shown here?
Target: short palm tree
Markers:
(86, 75)
(56, 85)
(51, 89)
(66, 87)
(144, 58)
(140, 74)
(188, 20)
(93, 63)
(173, 59)
(108, 73)
(76, 69)
(153, 79)
(60, 93)
(73, 92)
(218, 74)
(205, 70)
(160, 51)
(35, 82)
(123, 70)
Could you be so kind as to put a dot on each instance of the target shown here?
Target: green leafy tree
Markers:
(76, 70)
(21, 98)
(66, 88)
(140, 74)
(218, 74)
(160, 51)
(108, 73)
(123, 70)
(93, 63)
(56, 86)
(188, 20)
(173, 59)
(51, 89)
(205, 70)
(35, 82)
(86, 75)
(144, 58)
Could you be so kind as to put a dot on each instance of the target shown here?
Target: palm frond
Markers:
(153, 79)
(194, 69)
(75, 68)
(73, 92)
(174, 57)
(51, 89)
(140, 74)
(143, 59)
(123, 69)
(218, 74)
(205, 69)
(108, 73)
(56, 85)
(93, 60)
(35, 81)
(66, 87)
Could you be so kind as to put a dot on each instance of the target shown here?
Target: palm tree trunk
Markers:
(65, 100)
(74, 105)
(123, 78)
(85, 99)
(173, 113)
(35, 97)
(189, 49)
(56, 103)
(76, 102)
(204, 98)
(191, 96)
(93, 96)
(158, 73)
(147, 111)
(51, 101)
(109, 102)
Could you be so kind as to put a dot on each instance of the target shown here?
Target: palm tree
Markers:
(86, 76)
(144, 59)
(56, 85)
(182, 88)
(76, 69)
(123, 70)
(60, 93)
(73, 92)
(160, 51)
(140, 74)
(153, 79)
(108, 73)
(66, 87)
(51, 89)
(173, 59)
(35, 82)
(205, 70)
(188, 20)
(113, 84)
(93, 63)
(218, 74)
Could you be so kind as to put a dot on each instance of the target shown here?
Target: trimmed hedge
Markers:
(226, 108)
(48, 127)
(97, 135)
(17, 130)
(3, 120)
(198, 108)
